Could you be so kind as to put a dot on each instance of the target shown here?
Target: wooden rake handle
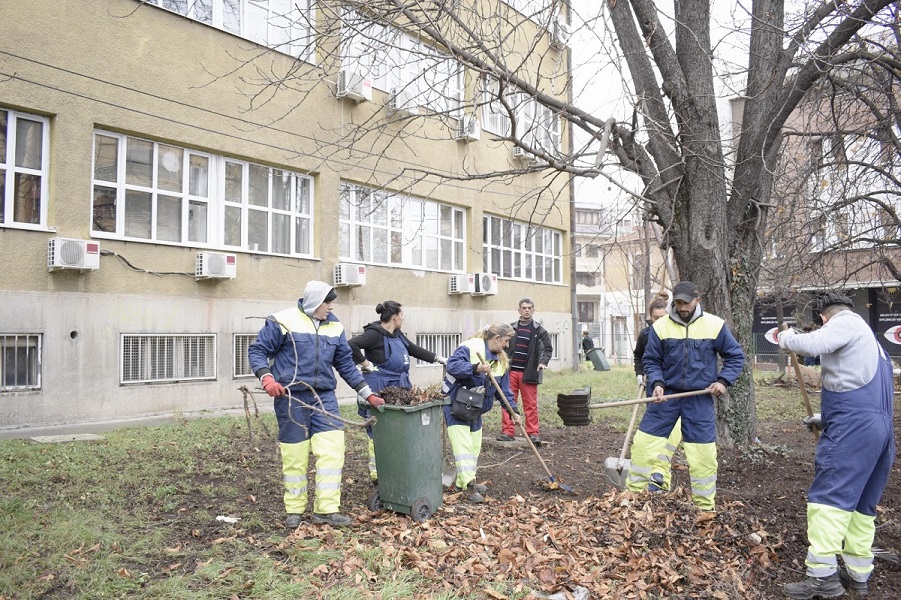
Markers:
(519, 419)
(649, 399)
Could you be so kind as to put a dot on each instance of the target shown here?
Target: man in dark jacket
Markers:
(529, 353)
(681, 356)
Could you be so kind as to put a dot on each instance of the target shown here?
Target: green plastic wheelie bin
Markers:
(408, 456)
(598, 360)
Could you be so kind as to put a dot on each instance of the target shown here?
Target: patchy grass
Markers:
(134, 515)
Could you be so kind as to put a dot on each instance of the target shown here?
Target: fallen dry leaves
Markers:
(619, 545)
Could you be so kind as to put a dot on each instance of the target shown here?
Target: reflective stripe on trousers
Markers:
(466, 445)
(328, 448)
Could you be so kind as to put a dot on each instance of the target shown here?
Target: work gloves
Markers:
(366, 398)
(272, 387)
(813, 421)
(441, 360)
(375, 401)
(639, 379)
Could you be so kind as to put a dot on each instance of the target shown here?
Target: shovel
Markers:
(614, 469)
(552, 484)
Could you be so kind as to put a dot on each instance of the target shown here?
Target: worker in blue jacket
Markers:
(682, 355)
(854, 453)
(305, 344)
(465, 369)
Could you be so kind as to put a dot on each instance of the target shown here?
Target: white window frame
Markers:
(11, 346)
(11, 170)
(241, 363)
(442, 344)
(394, 229)
(287, 26)
(517, 250)
(555, 344)
(393, 60)
(536, 125)
(167, 358)
(211, 201)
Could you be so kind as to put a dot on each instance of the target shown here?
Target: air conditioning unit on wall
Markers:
(347, 274)
(485, 284)
(461, 284)
(469, 129)
(216, 265)
(354, 86)
(560, 34)
(401, 101)
(68, 253)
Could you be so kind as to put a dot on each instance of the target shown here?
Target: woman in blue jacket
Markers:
(465, 369)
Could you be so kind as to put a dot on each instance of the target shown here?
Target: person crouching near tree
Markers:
(305, 343)
(464, 369)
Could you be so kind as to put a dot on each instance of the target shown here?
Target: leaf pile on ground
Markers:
(398, 396)
(619, 545)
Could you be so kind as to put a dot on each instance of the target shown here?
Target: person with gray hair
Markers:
(295, 356)
(467, 373)
(854, 453)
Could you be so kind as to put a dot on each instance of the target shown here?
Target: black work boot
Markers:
(860, 588)
(334, 519)
(815, 587)
(293, 521)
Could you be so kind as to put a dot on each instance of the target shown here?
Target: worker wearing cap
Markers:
(854, 453)
(304, 344)
(681, 356)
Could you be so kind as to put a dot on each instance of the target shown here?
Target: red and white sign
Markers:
(893, 334)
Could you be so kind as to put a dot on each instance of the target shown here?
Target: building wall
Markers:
(119, 66)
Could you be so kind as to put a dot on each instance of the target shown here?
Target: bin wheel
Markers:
(420, 510)
(374, 503)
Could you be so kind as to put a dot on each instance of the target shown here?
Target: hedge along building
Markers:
(163, 194)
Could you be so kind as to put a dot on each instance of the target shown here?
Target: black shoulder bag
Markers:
(467, 404)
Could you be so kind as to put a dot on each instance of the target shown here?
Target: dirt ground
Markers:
(771, 480)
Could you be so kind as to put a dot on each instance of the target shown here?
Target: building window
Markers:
(24, 167)
(537, 126)
(239, 350)
(586, 279)
(145, 190)
(586, 311)
(555, 342)
(283, 25)
(394, 229)
(393, 60)
(442, 344)
(520, 251)
(167, 358)
(20, 362)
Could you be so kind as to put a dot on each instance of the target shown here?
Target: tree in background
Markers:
(713, 200)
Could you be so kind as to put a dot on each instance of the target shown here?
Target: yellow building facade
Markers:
(174, 172)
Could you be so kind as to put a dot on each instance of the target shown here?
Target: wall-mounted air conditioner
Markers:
(486, 284)
(559, 33)
(347, 274)
(520, 153)
(469, 129)
(67, 253)
(402, 101)
(215, 265)
(354, 86)
(461, 284)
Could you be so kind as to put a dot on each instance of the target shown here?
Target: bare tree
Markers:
(714, 209)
